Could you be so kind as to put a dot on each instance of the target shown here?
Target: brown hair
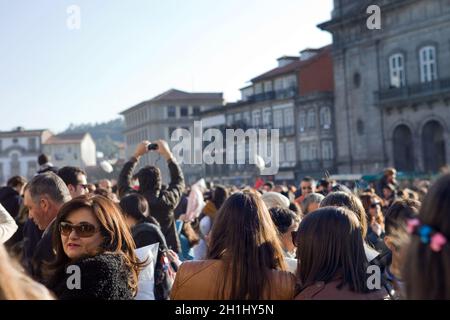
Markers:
(396, 220)
(389, 171)
(349, 201)
(16, 181)
(188, 231)
(427, 273)
(245, 239)
(329, 244)
(116, 234)
(366, 200)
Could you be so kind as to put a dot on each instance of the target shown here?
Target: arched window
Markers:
(433, 146)
(397, 70)
(403, 149)
(428, 68)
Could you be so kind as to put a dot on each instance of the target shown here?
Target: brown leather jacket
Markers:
(329, 291)
(196, 280)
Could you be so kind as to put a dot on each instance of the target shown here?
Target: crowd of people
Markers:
(261, 242)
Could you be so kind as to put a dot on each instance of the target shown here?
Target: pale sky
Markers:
(129, 51)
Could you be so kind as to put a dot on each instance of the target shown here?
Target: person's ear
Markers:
(44, 204)
(71, 188)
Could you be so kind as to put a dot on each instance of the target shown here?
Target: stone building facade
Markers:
(392, 86)
(296, 98)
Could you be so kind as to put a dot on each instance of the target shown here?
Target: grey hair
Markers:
(311, 198)
(49, 184)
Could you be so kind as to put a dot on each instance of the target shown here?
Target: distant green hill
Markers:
(105, 134)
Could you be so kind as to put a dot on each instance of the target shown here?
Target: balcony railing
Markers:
(287, 131)
(271, 95)
(310, 165)
(286, 93)
(416, 91)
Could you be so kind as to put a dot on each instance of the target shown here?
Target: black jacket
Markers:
(43, 253)
(102, 277)
(31, 237)
(11, 200)
(48, 168)
(145, 234)
(161, 204)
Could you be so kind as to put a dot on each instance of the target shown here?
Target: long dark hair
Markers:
(330, 245)
(426, 272)
(117, 237)
(245, 239)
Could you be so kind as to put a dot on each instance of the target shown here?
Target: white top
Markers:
(7, 225)
(291, 265)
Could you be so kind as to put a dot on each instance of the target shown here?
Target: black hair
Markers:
(149, 179)
(283, 218)
(42, 159)
(136, 206)
(269, 184)
(70, 175)
(219, 196)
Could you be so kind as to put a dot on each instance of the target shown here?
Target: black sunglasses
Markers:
(83, 230)
(84, 186)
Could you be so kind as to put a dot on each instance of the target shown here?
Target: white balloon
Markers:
(106, 166)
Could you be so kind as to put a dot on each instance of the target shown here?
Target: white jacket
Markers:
(7, 225)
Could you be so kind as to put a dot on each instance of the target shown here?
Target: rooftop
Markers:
(180, 96)
(291, 67)
(21, 132)
(66, 138)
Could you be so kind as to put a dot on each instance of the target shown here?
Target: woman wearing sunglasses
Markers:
(94, 252)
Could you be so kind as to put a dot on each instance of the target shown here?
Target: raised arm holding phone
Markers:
(162, 201)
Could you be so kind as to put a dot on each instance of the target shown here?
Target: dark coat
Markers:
(48, 168)
(162, 203)
(102, 277)
(11, 200)
(43, 253)
(145, 234)
(31, 237)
